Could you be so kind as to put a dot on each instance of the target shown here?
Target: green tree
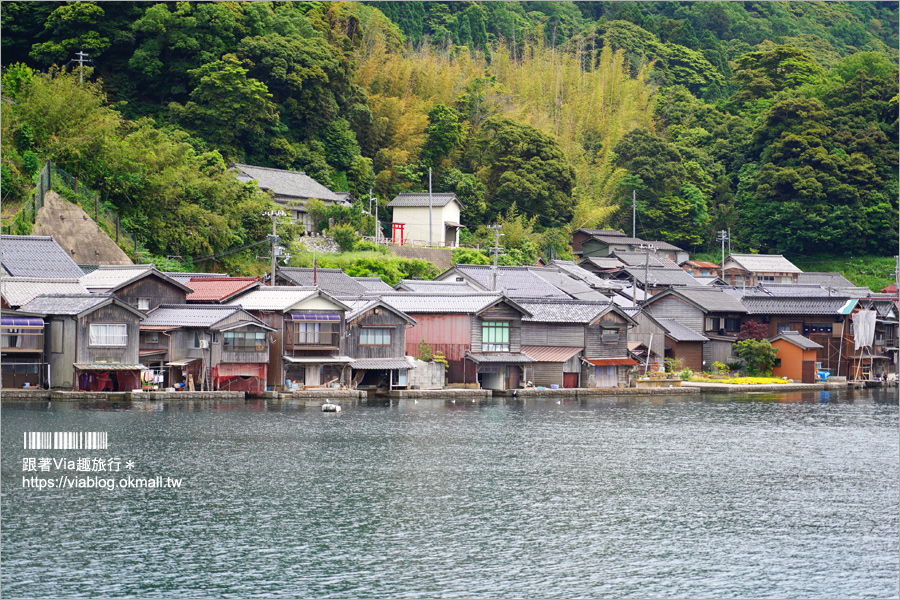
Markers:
(73, 27)
(758, 356)
(230, 110)
(444, 134)
(522, 165)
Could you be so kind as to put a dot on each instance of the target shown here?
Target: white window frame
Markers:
(108, 334)
(143, 303)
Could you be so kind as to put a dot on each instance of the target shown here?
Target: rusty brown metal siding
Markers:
(690, 353)
(450, 334)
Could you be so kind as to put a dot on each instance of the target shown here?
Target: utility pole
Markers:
(430, 242)
(497, 235)
(633, 213)
(81, 56)
(648, 248)
(376, 221)
(723, 237)
(273, 239)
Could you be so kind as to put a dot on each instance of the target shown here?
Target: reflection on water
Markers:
(763, 495)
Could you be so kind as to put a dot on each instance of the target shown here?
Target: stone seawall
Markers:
(594, 392)
(441, 394)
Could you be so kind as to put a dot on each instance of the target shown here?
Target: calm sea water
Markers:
(767, 496)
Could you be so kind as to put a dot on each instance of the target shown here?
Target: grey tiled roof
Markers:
(660, 245)
(678, 277)
(764, 263)
(288, 183)
(21, 290)
(413, 303)
(36, 256)
(603, 262)
(419, 200)
(638, 259)
(333, 281)
(667, 263)
(194, 315)
(516, 282)
(499, 357)
(66, 304)
(273, 298)
(679, 332)
(576, 288)
(834, 280)
(558, 311)
(375, 284)
(604, 232)
(113, 277)
(416, 285)
(710, 300)
(797, 339)
(381, 363)
(763, 305)
(619, 239)
(360, 307)
(573, 270)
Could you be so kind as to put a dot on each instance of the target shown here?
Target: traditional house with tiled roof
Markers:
(796, 357)
(376, 341)
(752, 269)
(292, 190)
(515, 282)
(16, 291)
(701, 268)
(141, 286)
(479, 333)
(415, 213)
(92, 341)
(305, 346)
(218, 347)
(709, 312)
(576, 343)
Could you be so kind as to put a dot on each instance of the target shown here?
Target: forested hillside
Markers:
(776, 120)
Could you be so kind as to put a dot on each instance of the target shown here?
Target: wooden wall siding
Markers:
(351, 347)
(275, 372)
(612, 319)
(515, 328)
(649, 333)
(183, 345)
(154, 288)
(573, 365)
(552, 334)
(162, 341)
(716, 351)
(62, 371)
(689, 353)
(674, 308)
(129, 354)
(243, 357)
(595, 347)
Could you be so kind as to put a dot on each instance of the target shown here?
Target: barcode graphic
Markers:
(66, 440)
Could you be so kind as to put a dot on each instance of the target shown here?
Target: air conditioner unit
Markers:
(204, 344)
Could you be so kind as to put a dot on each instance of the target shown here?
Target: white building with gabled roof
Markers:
(416, 211)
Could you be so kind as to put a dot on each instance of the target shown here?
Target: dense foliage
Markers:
(776, 120)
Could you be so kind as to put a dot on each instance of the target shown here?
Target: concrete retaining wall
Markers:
(428, 376)
(441, 394)
(325, 394)
(594, 392)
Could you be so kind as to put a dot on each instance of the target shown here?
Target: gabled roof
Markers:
(793, 305)
(74, 304)
(515, 282)
(660, 245)
(678, 277)
(281, 298)
(603, 232)
(197, 315)
(582, 274)
(575, 288)
(704, 298)
(219, 289)
(602, 262)
(826, 280)
(764, 263)
(701, 264)
(333, 281)
(465, 303)
(373, 284)
(185, 277)
(416, 285)
(679, 332)
(21, 290)
(109, 278)
(421, 199)
(798, 340)
(287, 183)
(359, 308)
(36, 256)
(560, 311)
(618, 239)
(635, 259)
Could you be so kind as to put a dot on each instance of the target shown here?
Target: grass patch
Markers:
(874, 272)
(742, 380)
